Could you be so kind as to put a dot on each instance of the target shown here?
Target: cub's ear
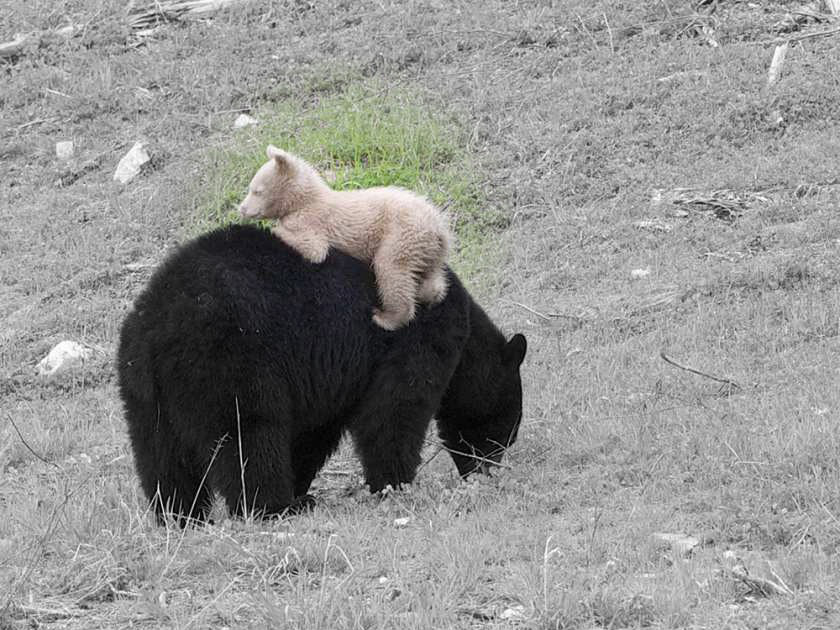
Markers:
(282, 158)
(514, 351)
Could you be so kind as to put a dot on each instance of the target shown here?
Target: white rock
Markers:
(652, 225)
(514, 612)
(134, 267)
(637, 274)
(402, 522)
(244, 120)
(65, 356)
(64, 150)
(131, 164)
(679, 543)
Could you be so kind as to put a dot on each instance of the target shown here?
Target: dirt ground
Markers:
(661, 198)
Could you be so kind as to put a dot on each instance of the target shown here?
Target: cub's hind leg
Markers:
(431, 254)
(433, 287)
(396, 280)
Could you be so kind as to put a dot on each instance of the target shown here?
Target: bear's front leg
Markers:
(388, 432)
(304, 237)
(388, 460)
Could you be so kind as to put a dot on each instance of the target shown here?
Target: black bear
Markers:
(241, 365)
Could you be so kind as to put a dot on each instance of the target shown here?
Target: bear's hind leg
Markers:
(263, 472)
(171, 477)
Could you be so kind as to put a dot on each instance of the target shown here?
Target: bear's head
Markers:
(283, 185)
(480, 413)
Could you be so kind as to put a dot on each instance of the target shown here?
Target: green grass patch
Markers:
(361, 137)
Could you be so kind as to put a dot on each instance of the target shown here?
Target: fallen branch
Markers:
(797, 38)
(48, 614)
(14, 47)
(724, 203)
(22, 40)
(807, 14)
(157, 12)
(757, 585)
(37, 121)
(725, 381)
(686, 74)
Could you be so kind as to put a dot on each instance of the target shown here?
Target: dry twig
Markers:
(797, 38)
(726, 381)
(484, 460)
(546, 316)
(531, 310)
(26, 444)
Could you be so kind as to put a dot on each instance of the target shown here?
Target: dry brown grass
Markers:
(577, 113)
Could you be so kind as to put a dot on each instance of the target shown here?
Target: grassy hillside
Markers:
(639, 190)
(360, 135)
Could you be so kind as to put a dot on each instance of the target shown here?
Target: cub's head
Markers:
(480, 413)
(281, 186)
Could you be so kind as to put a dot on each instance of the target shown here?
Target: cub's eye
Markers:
(256, 191)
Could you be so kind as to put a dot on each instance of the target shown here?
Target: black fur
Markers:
(237, 337)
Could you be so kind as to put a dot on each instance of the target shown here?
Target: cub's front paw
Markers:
(316, 254)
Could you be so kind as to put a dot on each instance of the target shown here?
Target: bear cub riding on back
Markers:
(402, 235)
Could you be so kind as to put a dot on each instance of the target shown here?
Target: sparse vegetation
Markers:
(573, 121)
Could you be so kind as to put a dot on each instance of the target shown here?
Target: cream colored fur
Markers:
(403, 236)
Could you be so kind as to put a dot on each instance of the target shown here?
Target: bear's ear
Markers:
(514, 352)
(282, 158)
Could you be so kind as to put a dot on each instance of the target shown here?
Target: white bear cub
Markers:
(403, 236)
